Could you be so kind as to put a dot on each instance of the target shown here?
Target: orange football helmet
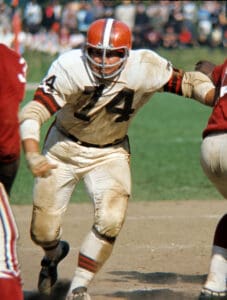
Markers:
(108, 35)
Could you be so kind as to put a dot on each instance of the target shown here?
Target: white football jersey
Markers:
(100, 113)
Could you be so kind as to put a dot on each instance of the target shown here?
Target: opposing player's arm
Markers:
(194, 84)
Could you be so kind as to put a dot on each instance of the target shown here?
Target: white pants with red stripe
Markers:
(10, 280)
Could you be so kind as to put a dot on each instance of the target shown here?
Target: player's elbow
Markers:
(210, 97)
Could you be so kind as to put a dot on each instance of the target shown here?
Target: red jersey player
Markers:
(12, 88)
(214, 164)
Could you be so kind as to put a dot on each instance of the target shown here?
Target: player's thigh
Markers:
(8, 172)
(109, 179)
(211, 148)
(109, 185)
(214, 160)
(53, 192)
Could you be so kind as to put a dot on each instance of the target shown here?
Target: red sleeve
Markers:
(174, 83)
(217, 73)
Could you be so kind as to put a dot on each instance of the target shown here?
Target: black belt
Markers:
(76, 140)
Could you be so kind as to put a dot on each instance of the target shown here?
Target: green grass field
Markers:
(165, 140)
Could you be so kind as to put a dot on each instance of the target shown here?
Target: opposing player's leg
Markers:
(109, 186)
(215, 284)
(8, 172)
(10, 279)
(214, 163)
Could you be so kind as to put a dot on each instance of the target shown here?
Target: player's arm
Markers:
(32, 116)
(46, 102)
(49, 97)
(194, 84)
(198, 86)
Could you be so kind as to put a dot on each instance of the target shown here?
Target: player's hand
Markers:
(198, 86)
(39, 164)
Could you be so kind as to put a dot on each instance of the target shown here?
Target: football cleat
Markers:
(207, 294)
(48, 274)
(79, 293)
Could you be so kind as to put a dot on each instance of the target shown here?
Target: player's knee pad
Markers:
(109, 227)
(45, 228)
(43, 239)
(110, 218)
(108, 239)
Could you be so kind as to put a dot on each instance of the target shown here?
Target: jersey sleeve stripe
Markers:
(174, 84)
(47, 100)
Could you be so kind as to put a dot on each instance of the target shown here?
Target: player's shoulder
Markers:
(70, 71)
(4, 48)
(147, 69)
(146, 56)
(11, 59)
(8, 52)
(147, 60)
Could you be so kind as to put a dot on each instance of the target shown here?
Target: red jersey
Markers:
(12, 88)
(218, 119)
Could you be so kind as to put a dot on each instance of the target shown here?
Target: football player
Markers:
(214, 164)
(94, 93)
(12, 88)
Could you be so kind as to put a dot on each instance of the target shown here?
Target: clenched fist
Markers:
(39, 164)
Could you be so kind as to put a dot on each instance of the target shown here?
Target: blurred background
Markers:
(57, 25)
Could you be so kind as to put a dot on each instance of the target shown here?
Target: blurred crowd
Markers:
(56, 27)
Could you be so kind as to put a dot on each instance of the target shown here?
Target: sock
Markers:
(94, 251)
(216, 280)
(53, 252)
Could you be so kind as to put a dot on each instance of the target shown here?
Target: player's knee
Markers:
(43, 237)
(110, 228)
(109, 223)
(45, 229)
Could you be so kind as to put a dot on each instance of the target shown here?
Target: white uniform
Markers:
(88, 141)
(97, 116)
